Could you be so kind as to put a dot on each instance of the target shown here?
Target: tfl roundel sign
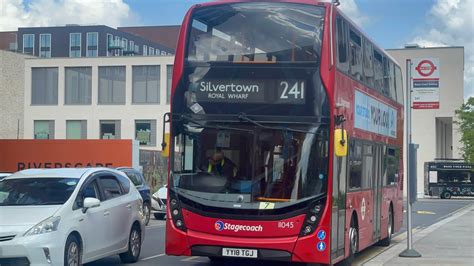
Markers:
(425, 68)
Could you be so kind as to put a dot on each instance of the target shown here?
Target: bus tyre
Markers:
(353, 242)
(386, 241)
(446, 195)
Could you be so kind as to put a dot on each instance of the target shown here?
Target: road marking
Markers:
(156, 226)
(152, 257)
(425, 212)
(190, 258)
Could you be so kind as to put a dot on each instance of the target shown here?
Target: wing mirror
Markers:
(340, 142)
(90, 203)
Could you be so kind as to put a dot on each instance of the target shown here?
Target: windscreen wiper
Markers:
(201, 125)
(244, 117)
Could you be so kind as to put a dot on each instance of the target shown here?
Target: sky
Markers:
(390, 23)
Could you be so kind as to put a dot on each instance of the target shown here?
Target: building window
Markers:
(145, 50)
(45, 45)
(151, 51)
(137, 49)
(29, 44)
(76, 129)
(157, 51)
(131, 47)
(110, 44)
(75, 45)
(44, 86)
(124, 44)
(146, 84)
(145, 132)
(78, 85)
(116, 46)
(92, 44)
(44, 129)
(110, 129)
(112, 85)
(163, 53)
(169, 80)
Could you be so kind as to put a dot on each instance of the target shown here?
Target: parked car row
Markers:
(72, 216)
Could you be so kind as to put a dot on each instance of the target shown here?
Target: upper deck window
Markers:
(256, 32)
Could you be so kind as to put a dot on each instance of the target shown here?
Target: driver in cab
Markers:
(220, 165)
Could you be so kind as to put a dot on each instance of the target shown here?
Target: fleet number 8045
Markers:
(292, 90)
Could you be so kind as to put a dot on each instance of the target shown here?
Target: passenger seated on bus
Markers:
(219, 164)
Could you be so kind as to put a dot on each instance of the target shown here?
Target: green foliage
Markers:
(465, 116)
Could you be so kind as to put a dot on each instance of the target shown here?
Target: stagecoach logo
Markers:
(221, 226)
(425, 68)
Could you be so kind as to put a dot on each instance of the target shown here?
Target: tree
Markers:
(465, 116)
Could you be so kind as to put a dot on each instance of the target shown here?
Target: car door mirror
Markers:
(90, 203)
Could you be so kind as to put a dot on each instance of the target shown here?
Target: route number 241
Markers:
(292, 90)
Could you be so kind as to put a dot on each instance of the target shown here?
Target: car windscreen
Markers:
(36, 191)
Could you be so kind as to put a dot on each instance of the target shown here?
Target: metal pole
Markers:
(409, 252)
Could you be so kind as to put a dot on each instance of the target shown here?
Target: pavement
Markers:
(450, 241)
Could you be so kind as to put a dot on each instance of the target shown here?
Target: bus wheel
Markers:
(446, 195)
(353, 242)
(386, 241)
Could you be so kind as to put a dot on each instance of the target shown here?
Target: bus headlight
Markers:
(313, 217)
(175, 210)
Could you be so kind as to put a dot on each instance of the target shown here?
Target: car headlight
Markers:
(49, 225)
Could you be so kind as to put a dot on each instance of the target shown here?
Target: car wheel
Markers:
(147, 212)
(72, 252)
(446, 195)
(134, 246)
(386, 242)
(159, 216)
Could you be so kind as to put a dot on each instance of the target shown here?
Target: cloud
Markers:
(22, 13)
(350, 8)
(451, 23)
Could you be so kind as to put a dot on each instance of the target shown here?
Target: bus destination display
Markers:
(250, 91)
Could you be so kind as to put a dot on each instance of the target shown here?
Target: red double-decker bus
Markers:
(286, 132)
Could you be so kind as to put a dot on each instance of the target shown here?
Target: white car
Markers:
(3, 175)
(69, 217)
(158, 203)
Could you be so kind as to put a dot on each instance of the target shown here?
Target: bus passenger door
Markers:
(338, 218)
(377, 186)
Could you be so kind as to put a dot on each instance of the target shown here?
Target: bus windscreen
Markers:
(222, 168)
(256, 32)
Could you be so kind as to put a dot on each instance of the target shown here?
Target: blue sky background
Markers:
(390, 23)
